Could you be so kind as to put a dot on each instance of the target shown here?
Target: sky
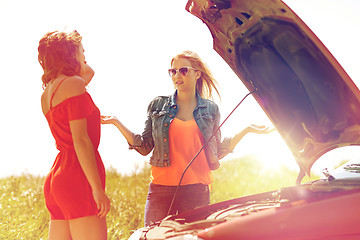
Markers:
(129, 44)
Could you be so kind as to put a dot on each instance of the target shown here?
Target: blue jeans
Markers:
(187, 198)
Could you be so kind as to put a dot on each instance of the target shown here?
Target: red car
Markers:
(315, 107)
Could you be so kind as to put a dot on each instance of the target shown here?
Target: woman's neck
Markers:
(60, 76)
(186, 104)
(185, 97)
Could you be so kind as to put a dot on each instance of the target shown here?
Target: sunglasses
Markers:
(183, 71)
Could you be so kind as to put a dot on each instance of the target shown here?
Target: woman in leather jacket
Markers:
(176, 128)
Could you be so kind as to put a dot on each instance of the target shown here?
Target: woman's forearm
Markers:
(237, 138)
(252, 128)
(85, 153)
(141, 143)
(129, 136)
(86, 156)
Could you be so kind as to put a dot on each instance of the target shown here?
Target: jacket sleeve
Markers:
(223, 147)
(144, 143)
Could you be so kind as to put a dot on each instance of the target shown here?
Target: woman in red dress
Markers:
(74, 189)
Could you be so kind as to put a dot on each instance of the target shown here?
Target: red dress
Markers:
(68, 194)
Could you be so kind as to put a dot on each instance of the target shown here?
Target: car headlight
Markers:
(186, 237)
(136, 235)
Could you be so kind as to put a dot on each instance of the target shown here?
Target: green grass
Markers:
(24, 215)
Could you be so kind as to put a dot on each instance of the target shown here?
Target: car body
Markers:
(315, 107)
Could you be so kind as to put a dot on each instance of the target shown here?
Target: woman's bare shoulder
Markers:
(61, 89)
(73, 86)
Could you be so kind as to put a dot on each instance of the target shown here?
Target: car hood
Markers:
(321, 209)
(307, 95)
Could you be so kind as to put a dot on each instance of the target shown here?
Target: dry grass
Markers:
(24, 215)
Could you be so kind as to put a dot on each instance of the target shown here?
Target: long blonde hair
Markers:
(206, 83)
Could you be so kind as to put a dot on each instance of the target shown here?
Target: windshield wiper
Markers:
(355, 168)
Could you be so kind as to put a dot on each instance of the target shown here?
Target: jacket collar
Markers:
(200, 100)
(172, 98)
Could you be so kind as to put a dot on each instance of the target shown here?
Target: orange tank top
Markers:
(185, 140)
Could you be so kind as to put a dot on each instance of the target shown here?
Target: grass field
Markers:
(24, 215)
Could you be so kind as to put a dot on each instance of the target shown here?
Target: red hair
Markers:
(57, 54)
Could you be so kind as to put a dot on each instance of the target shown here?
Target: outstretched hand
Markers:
(124, 131)
(259, 129)
(108, 119)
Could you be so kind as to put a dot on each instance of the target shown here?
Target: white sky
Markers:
(129, 44)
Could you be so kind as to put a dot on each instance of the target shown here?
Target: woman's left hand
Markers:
(102, 202)
(86, 72)
(259, 129)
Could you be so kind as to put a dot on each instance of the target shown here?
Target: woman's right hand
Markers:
(102, 202)
(109, 120)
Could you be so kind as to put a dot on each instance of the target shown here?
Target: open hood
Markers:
(304, 91)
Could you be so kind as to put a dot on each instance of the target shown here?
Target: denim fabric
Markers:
(188, 198)
(161, 111)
